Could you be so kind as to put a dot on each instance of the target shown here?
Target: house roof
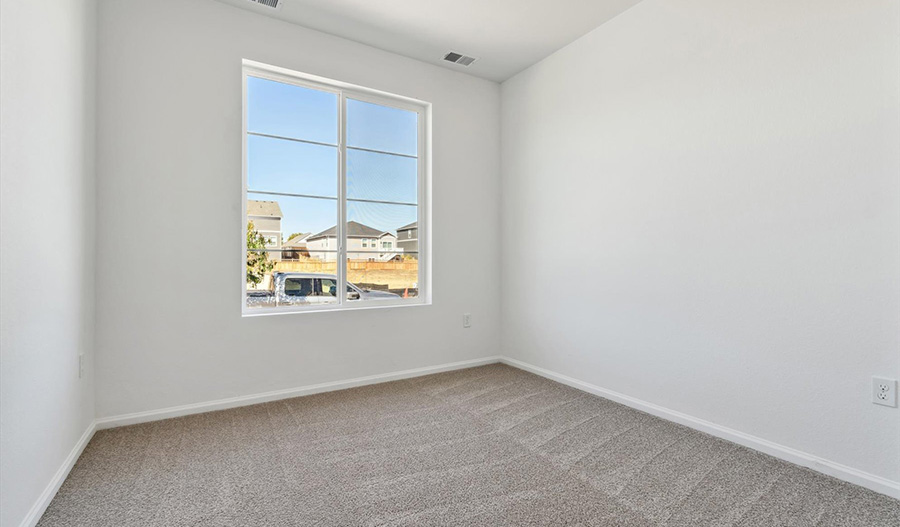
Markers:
(297, 241)
(263, 208)
(354, 230)
(412, 225)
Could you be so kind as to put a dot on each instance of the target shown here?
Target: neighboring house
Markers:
(408, 238)
(363, 243)
(295, 248)
(266, 218)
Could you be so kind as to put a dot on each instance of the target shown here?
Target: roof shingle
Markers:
(354, 230)
(263, 208)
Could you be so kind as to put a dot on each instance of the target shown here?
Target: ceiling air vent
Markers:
(458, 58)
(274, 4)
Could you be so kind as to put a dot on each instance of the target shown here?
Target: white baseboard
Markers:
(845, 473)
(246, 400)
(837, 470)
(37, 510)
(34, 515)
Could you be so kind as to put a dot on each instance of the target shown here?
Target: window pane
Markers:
(378, 264)
(381, 128)
(383, 278)
(283, 218)
(285, 110)
(277, 165)
(280, 242)
(289, 283)
(378, 218)
(381, 177)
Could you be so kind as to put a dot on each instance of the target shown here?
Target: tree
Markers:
(294, 235)
(258, 263)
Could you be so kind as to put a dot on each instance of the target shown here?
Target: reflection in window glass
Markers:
(276, 165)
(381, 177)
(385, 269)
(382, 128)
(284, 110)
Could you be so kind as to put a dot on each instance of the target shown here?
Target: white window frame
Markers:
(423, 155)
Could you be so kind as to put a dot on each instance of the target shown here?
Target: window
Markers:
(329, 286)
(298, 287)
(342, 163)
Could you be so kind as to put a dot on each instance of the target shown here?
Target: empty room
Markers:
(449, 263)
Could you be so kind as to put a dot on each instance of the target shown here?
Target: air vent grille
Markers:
(274, 4)
(459, 58)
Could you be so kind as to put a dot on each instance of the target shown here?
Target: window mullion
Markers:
(342, 200)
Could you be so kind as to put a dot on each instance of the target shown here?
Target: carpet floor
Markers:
(488, 446)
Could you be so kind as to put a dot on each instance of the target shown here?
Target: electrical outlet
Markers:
(884, 391)
(467, 320)
(80, 366)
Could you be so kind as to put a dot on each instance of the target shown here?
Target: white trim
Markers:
(43, 501)
(424, 225)
(831, 468)
(340, 229)
(244, 214)
(246, 400)
(277, 73)
(792, 455)
(343, 91)
(369, 303)
(798, 457)
(40, 506)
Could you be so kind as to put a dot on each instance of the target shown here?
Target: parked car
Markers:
(308, 288)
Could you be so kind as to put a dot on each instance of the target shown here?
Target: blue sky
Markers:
(278, 165)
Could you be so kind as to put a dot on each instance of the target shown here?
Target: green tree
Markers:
(294, 235)
(258, 263)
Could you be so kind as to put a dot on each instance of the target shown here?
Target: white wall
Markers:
(715, 187)
(47, 78)
(168, 315)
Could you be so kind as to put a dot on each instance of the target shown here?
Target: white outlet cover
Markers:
(884, 391)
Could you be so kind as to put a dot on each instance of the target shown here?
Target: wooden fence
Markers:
(320, 266)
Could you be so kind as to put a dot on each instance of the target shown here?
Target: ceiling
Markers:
(506, 36)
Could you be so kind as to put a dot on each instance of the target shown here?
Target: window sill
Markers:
(370, 304)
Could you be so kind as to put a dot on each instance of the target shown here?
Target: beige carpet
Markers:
(489, 446)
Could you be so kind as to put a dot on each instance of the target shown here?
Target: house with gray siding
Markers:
(363, 243)
(266, 218)
(408, 238)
